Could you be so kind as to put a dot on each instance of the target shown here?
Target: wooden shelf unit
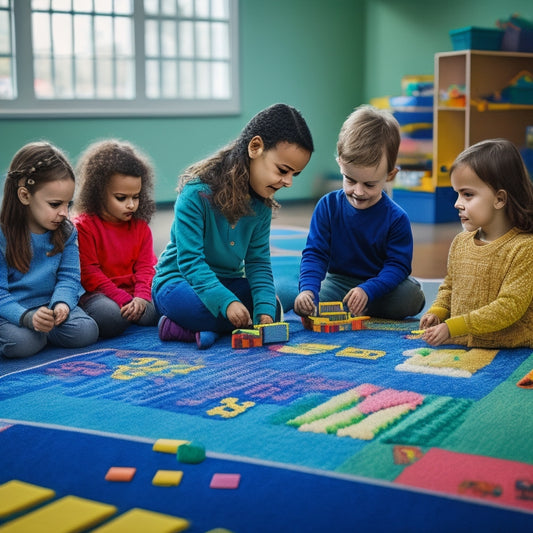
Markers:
(482, 73)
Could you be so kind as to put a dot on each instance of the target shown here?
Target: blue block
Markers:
(428, 207)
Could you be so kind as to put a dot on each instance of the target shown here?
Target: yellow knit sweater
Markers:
(486, 297)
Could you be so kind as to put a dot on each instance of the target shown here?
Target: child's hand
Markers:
(61, 311)
(43, 319)
(134, 310)
(356, 299)
(436, 335)
(265, 319)
(304, 304)
(238, 315)
(428, 320)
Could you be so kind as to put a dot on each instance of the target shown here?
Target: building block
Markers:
(192, 453)
(168, 445)
(275, 332)
(16, 496)
(246, 338)
(66, 515)
(332, 318)
(167, 478)
(225, 481)
(141, 520)
(120, 473)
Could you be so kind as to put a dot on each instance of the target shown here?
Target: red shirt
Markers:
(116, 258)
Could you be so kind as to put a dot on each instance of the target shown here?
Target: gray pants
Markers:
(407, 299)
(107, 315)
(77, 331)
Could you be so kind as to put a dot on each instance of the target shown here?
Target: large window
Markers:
(118, 57)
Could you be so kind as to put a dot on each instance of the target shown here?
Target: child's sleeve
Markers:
(68, 288)
(144, 265)
(315, 256)
(10, 309)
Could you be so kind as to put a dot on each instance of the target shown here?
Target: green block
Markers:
(191, 453)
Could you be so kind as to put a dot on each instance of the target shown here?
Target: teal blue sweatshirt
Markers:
(205, 246)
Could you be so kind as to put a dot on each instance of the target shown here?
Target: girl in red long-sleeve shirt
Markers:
(114, 207)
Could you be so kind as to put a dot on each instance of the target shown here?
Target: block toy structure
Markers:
(332, 318)
(260, 334)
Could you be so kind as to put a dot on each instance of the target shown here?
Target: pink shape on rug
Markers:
(472, 476)
(225, 481)
(389, 398)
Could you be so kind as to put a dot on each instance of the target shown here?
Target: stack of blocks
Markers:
(261, 334)
(332, 318)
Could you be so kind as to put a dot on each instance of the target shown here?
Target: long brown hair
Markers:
(499, 164)
(228, 171)
(34, 165)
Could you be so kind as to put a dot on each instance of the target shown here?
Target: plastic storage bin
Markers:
(473, 38)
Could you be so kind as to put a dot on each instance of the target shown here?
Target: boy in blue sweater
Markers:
(360, 245)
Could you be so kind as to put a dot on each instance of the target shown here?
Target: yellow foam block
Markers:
(167, 478)
(141, 521)
(67, 515)
(168, 445)
(16, 496)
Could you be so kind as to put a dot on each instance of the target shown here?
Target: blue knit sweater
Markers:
(50, 280)
(374, 244)
(205, 246)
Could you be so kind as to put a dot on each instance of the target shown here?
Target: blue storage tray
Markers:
(473, 38)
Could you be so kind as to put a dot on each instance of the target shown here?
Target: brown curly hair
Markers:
(227, 172)
(33, 166)
(99, 162)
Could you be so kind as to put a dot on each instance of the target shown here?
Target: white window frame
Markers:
(26, 104)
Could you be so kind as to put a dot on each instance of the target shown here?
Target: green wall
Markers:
(324, 58)
(403, 36)
(302, 52)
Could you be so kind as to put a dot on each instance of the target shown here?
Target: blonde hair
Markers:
(366, 135)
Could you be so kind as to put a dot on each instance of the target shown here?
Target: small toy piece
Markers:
(168, 445)
(167, 478)
(332, 318)
(260, 334)
(225, 481)
(191, 453)
(120, 473)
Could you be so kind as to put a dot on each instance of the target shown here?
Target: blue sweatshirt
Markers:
(374, 244)
(205, 246)
(50, 279)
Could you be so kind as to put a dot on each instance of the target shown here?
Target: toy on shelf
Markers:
(332, 318)
(260, 334)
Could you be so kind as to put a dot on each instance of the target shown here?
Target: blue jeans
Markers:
(107, 315)
(181, 304)
(407, 299)
(77, 331)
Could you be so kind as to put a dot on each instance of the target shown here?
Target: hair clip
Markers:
(30, 181)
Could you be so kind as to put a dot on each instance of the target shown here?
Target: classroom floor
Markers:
(431, 241)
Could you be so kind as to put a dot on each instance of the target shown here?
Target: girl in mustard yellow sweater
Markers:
(486, 298)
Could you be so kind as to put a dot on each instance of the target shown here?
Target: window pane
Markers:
(186, 39)
(186, 79)
(169, 82)
(168, 7)
(123, 7)
(6, 79)
(61, 5)
(220, 40)
(5, 33)
(168, 39)
(203, 80)
(104, 79)
(220, 80)
(123, 37)
(151, 7)
(41, 34)
(103, 6)
(203, 40)
(84, 78)
(63, 78)
(103, 36)
(151, 38)
(219, 9)
(62, 35)
(83, 6)
(186, 8)
(152, 79)
(40, 4)
(125, 82)
(202, 8)
(43, 86)
(83, 36)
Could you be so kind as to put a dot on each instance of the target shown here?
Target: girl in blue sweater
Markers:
(39, 261)
(215, 273)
